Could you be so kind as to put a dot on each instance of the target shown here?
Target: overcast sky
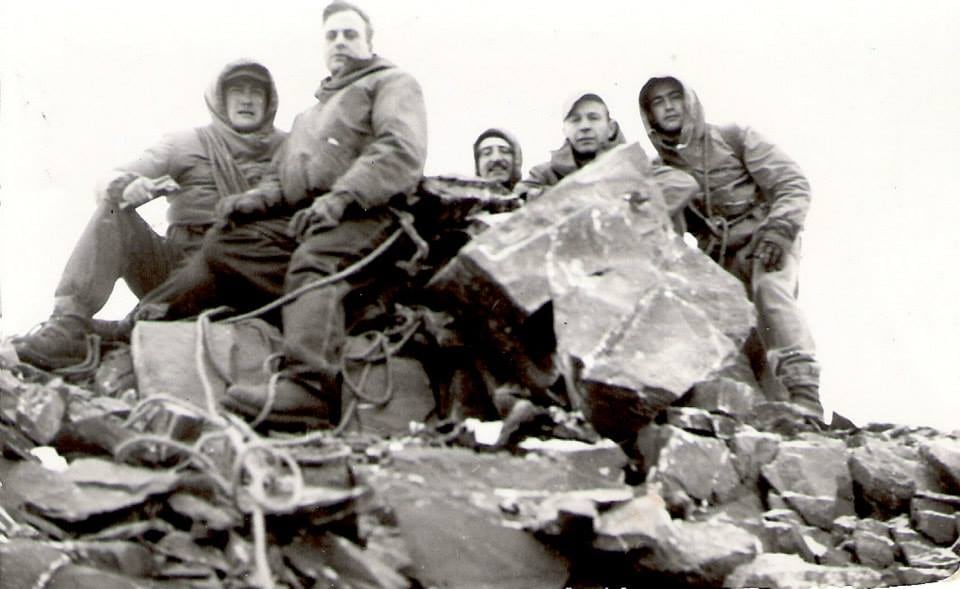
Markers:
(862, 94)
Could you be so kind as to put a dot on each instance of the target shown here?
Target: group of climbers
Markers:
(256, 213)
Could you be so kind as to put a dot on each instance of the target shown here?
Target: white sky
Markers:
(863, 94)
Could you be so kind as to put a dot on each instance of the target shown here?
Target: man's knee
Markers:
(772, 290)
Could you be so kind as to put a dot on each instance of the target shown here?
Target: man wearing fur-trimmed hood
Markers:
(748, 215)
(497, 157)
(195, 169)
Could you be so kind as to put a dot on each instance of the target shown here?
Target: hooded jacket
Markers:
(753, 186)
(516, 173)
(562, 163)
(366, 138)
(185, 155)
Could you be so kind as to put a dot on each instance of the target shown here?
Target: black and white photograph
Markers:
(506, 294)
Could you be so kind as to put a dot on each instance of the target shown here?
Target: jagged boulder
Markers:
(812, 477)
(944, 456)
(643, 316)
(886, 475)
(700, 466)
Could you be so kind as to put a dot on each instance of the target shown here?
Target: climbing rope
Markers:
(260, 466)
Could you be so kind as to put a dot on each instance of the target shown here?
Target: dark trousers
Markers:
(257, 262)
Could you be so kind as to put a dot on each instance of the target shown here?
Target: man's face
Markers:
(246, 102)
(588, 127)
(345, 38)
(666, 106)
(495, 159)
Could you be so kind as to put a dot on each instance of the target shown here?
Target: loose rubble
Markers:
(130, 477)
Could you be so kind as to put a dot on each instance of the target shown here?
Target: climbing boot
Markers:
(59, 342)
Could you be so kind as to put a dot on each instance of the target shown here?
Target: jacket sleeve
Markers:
(781, 181)
(679, 188)
(538, 179)
(159, 160)
(392, 163)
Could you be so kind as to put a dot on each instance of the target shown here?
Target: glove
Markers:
(142, 190)
(245, 204)
(771, 249)
(325, 213)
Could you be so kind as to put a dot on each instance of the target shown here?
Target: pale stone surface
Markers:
(813, 478)
(789, 571)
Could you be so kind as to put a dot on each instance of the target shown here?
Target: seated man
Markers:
(325, 207)
(588, 131)
(497, 157)
(748, 216)
(194, 168)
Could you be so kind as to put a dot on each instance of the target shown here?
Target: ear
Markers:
(614, 129)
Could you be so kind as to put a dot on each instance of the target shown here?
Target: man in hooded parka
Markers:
(194, 169)
(326, 206)
(748, 215)
(497, 157)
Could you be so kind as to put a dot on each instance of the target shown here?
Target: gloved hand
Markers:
(770, 249)
(324, 213)
(249, 203)
(142, 190)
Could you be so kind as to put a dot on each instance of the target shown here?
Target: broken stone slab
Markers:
(725, 395)
(873, 545)
(812, 544)
(919, 576)
(700, 466)
(567, 515)
(603, 457)
(789, 571)
(886, 475)
(944, 456)
(662, 315)
(28, 563)
(340, 562)
(691, 419)
(700, 553)
(203, 514)
(88, 487)
(74, 576)
(934, 519)
(40, 413)
(813, 478)
(125, 558)
(751, 450)
(639, 524)
(448, 508)
(182, 547)
(923, 554)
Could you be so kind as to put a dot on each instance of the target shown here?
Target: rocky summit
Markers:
(624, 444)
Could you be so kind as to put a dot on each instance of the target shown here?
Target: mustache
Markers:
(502, 164)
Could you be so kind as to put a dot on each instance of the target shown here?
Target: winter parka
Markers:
(365, 138)
(747, 184)
(183, 155)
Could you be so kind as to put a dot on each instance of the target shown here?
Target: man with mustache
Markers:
(588, 131)
(747, 215)
(497, 157)
(325, 207)
(195, 169)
